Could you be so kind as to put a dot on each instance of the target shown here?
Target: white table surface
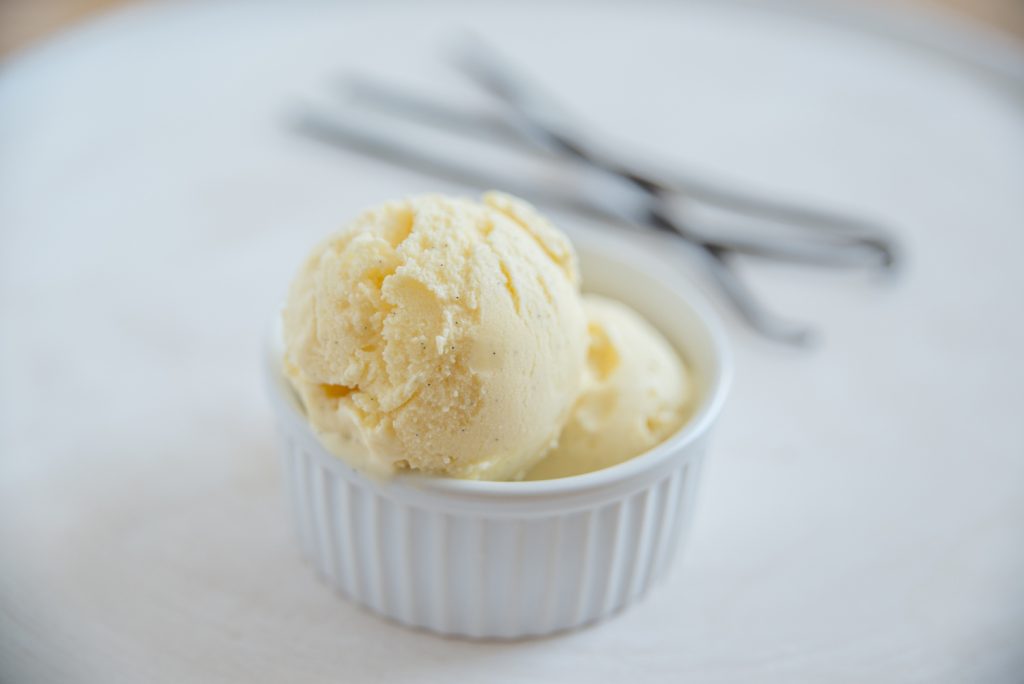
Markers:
(862, 518)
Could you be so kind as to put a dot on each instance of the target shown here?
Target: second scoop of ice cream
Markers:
(636, 393)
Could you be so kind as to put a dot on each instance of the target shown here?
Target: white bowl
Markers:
(514, 559)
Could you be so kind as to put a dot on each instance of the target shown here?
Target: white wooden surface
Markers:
(863, 515)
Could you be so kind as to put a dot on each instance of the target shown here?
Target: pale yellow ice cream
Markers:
(636, 393)
(439, 335)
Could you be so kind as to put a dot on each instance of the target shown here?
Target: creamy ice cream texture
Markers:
(439, 335)
(449, 337)
(636, 392)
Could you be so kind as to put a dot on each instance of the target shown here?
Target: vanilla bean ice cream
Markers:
(439, 335)
(636, 392)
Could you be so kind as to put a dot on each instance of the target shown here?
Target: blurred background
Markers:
(862, 513)
(23, 22)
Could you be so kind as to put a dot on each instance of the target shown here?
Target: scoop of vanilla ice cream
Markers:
(439, 335)
(636, 393)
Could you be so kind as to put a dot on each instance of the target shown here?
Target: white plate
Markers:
(862, 517)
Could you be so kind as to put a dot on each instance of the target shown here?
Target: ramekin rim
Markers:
(696, 427)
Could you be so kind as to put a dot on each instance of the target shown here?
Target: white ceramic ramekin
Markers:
(514, 559)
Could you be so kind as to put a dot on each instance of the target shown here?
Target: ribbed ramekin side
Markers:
(678, 522)
(484, 577)
(631, 545)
